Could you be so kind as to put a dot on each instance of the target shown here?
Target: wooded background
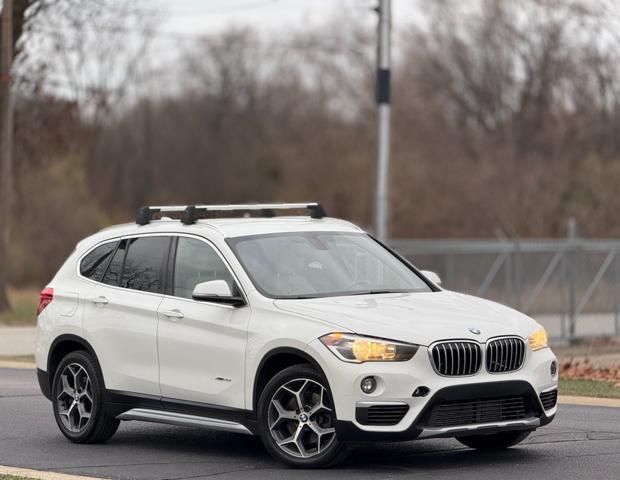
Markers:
(505, 121)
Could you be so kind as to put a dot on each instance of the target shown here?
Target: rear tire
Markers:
(296, 419)
(495, 441)
(77, 399)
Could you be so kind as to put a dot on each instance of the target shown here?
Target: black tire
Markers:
(99, 427)
(495, 441)
(332, 453)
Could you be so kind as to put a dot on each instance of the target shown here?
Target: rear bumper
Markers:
(424, 424)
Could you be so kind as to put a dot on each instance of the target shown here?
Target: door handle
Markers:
(173, 314)
(99, 300)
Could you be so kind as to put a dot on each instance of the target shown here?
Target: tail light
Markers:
(46, 297)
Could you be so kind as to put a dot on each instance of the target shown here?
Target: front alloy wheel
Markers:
(297, 419)
(300, 418)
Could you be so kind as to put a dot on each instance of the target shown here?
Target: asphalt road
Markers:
(582, 442)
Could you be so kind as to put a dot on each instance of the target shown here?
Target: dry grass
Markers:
(23, 307)
(590, 388)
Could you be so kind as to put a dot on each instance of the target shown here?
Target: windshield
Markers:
(322, 264)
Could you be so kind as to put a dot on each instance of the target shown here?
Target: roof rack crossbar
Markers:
(191, 213)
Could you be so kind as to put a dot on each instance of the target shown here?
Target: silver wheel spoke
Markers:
(319, 406)
(297, 394)
(283, 414)
(66, 388)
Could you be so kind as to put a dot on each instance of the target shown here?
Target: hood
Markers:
(421, 318)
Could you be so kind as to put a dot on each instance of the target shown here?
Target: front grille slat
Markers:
(505, 355)
(451, 414)
(457, 358)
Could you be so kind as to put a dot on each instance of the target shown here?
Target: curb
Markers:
(39, 474)
(17, 364)
(589, 401)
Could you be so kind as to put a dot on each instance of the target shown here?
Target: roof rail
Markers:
(192, 213)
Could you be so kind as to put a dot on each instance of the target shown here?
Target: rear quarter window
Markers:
(94, 264)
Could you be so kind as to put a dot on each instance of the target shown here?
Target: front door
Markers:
(201, 344)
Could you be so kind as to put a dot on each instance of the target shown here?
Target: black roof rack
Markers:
(192, 213)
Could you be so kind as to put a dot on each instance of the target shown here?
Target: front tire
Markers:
(297, 418)
(496, 441)
(77, 398)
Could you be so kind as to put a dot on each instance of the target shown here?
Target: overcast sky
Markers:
(204, 16)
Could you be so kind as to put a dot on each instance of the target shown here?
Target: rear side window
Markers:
(94, 264)
(113, 273)
(144, 264)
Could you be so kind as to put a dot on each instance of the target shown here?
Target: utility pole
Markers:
(6, 142)
(382, 212)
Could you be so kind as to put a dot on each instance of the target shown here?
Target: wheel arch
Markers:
(277, 360)
(64, 344)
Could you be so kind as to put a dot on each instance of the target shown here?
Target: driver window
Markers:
(197, 262)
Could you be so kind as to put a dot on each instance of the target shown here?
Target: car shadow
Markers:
(190, 445)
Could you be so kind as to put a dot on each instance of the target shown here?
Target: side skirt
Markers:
(182, 420)
(151, 408)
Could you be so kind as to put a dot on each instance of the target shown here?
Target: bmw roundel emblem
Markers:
(475, 331)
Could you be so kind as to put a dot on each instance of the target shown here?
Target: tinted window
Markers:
(144, 264)
(94, 264)
(197, 262)
(113, 273)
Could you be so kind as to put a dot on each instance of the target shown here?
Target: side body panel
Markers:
(123, 333)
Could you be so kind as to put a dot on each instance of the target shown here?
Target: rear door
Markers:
(201, 344)
(120, 316)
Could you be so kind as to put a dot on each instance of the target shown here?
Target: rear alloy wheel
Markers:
(75, 400)
(495, 441)
(77, 391)
(297, 419)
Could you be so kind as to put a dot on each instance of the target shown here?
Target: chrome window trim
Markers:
(163, 295)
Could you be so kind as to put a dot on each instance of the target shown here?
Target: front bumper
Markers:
(397, 381)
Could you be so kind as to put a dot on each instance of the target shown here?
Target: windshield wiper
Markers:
(375, 292)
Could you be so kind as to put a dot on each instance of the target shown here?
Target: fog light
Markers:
(554, 368)
(368, 385)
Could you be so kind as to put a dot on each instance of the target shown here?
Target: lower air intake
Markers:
(451, 414)
(549, 399)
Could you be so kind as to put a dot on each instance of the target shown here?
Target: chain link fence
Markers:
(571, 286)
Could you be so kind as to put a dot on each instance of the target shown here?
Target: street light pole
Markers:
(383, 127)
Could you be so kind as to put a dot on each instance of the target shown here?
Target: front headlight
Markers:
(538, 339)
(357, 348)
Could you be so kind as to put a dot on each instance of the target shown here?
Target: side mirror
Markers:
(216, 291)
(432, 276)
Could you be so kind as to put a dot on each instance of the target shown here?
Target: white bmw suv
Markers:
(301, 329)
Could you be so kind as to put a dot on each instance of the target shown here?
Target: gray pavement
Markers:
(583, 442)
(15, 341)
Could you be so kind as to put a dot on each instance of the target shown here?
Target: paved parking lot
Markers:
(583, 442)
